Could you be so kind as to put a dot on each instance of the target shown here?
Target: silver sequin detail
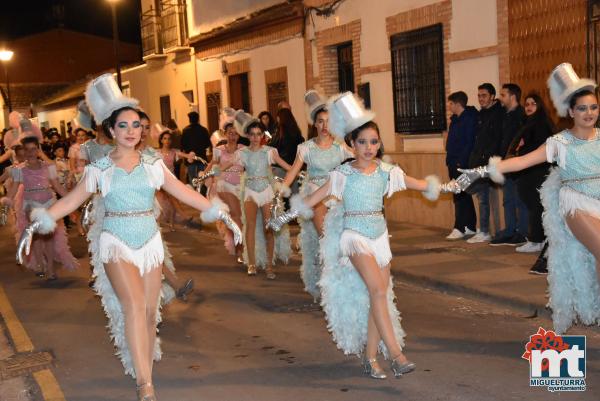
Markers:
(131, 213)
(363, 213)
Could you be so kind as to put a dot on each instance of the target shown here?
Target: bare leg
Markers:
(373, 277)
(269, 237)
(136, 296)
(586, 229)
(171, 278)
(250, 210)
(319, 213)
(235, 210)
(37, 247)
(152, 284)
(373, 336)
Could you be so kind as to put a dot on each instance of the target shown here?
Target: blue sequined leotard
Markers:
(365, 228)
(319, 161)
(129, 228)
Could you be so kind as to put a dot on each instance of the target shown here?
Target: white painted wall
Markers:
(54, 117)
(149, 82)
(474, 24)
(289, 53)
(467, 75)
(203, 15)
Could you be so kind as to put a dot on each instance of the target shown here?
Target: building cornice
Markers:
(280, 16)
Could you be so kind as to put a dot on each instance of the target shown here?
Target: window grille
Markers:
(418, 80)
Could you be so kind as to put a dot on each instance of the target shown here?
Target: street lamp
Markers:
(113, 9)
(5, 57)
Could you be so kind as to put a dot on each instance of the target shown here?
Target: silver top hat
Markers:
(346, 113)
(83, 118)
(563, 84)
(103, 97)
(241, 122)
(226, 117)
(313, 103)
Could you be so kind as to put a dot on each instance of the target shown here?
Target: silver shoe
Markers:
(252, 270)
(400, 369)
(270, 273)
(373, 370)
(185, 290)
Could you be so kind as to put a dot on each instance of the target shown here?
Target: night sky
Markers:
(23, 17)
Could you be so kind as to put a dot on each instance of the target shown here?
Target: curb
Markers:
(530, 308)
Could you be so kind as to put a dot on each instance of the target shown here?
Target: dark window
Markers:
(239, 92)
(345, 67)
(418, 80)
(165, 109)
(213, 104)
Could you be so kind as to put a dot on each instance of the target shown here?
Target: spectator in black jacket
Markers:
(538, 127)
(515, 212)
(195, 138)
(461, 137)
(286, 140)
(487, 143)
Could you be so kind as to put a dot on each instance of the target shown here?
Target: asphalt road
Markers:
(250, 339)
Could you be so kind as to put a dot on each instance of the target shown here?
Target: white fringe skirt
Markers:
(353, 243)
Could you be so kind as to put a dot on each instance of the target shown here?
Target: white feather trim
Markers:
(432, 192)
(212, 214)
(283, 189)
(337, 125)
(260, 198)
(396, 181)
(146, 258)
(556, 150)
(352, 243)
(297, 203)
(110, 302)
(495, 175)
(571, 201)
(47, 223)
(572, 278)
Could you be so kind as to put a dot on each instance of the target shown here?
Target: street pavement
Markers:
(249, 339)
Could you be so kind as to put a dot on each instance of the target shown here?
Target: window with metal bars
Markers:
(418, 80)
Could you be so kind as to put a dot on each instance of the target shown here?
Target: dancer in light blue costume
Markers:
(261, 248)
(321, 154)
(128, 253)
(356, 288)
(571, 199)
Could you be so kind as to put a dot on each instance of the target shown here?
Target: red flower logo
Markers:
(542, 341)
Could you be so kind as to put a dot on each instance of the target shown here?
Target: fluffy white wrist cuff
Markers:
(433, 187)
(213, 213)
(47, 223)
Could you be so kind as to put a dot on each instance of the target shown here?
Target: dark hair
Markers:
(90, 135)
(486, 86)
(171, 124)
(271, 127)
(541, 112)
(59, 146)
(287, 127)
(30, 139)
(194, 117)
(17, 147)
(93, 124)
(79, 129)
(513, 89)
(459, 97)
(112, 120)
(161, 136)
(255, 124)
(143, 115)
(577, 95)
(356, 132)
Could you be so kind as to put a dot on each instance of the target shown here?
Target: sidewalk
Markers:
(496, 274)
